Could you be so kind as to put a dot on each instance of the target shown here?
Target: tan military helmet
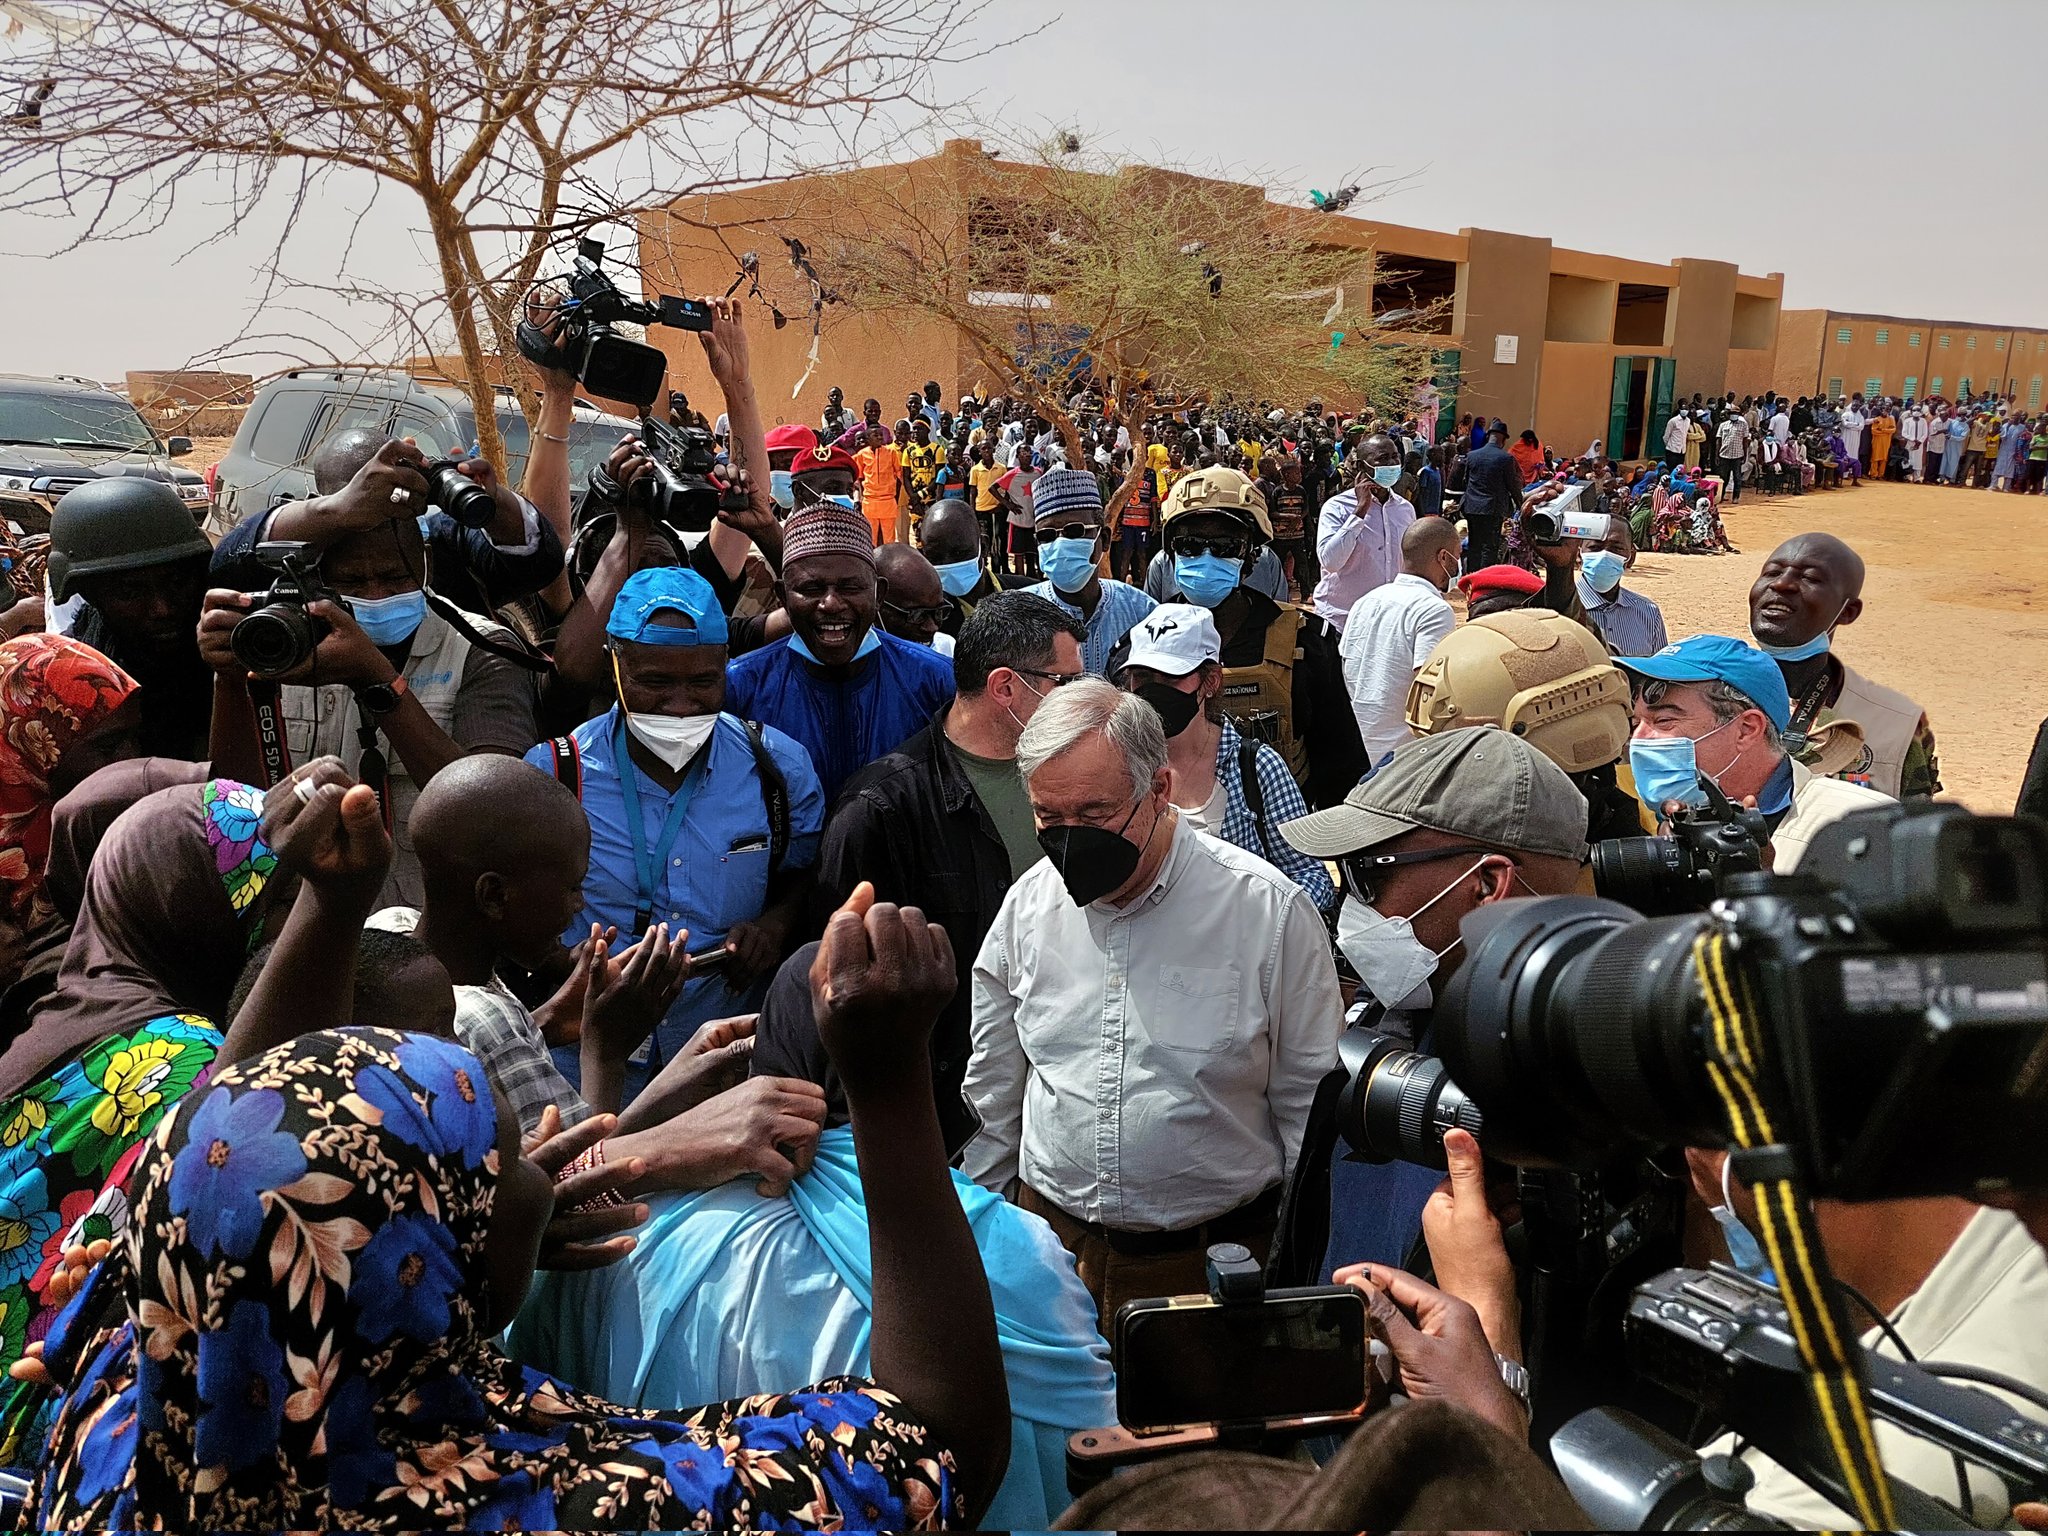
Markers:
(1533, 672)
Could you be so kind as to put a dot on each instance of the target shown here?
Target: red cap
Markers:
(792, 434)
(822, 458)
(1500, 578)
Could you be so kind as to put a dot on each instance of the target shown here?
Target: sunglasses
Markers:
(1057, 679)
(1070, 531)
(932, 615)
(1364, 871)
(1222, 546)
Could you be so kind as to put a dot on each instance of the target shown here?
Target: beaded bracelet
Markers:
(592, 1157)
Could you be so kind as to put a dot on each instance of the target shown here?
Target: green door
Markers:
(1663, 385)
(1444, 373)
(1617, 407)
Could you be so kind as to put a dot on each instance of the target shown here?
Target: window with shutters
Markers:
(1998, 344)
(1912, 386)
(1872, 388)
(1934, 385)
(1942, 342)
(1913, 338)
(2034, 393)
(1844, 335)
(1884, 337)
(1834, 388)
(1970, 345)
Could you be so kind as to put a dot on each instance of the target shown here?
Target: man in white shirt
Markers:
(1781, 425)
(1153, 1009)
(1731, 443)
(1675, 432)
(1358, 532)
(1393, 629)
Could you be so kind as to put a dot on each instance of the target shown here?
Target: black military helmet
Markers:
(119, 523)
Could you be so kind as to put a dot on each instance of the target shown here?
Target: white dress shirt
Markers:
(1387, 639)
(1358, 551)
(1675, 431)
(1781, 427)
(1151, 1067)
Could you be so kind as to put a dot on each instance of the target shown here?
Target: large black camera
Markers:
(1901, 987)
(449, 489)
(680, 490)
(1661, 876)
(278, 635)
(604, 362)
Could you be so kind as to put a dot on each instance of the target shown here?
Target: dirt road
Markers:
(1955, 615)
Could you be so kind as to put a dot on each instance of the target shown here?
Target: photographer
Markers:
(393, 688)
(1714, 707)
(357, 475)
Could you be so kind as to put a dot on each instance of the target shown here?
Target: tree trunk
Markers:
(446, 228)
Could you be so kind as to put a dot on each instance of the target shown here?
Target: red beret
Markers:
(793, 434)
(1500, 578)
(821, 459)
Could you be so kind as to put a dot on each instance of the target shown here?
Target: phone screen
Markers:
(1294, 1354)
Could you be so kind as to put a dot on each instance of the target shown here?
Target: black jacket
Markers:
(912, 824)
(1493, 483)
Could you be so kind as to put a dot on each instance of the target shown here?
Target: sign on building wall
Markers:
(1505, 348)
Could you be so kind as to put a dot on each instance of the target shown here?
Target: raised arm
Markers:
(734, 535)
(879, 980)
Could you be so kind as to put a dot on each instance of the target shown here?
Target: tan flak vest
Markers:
(1890, 721)
(321, 720)
(1260, 699)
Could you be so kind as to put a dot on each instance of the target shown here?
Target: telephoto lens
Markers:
(1398, 1103)
(449, 489)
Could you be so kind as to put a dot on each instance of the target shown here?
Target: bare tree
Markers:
(1156, 285)
(515, 124)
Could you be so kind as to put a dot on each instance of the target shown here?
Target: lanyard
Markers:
(647, 861)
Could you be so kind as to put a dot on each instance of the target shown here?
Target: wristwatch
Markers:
(1516, 1375)
(379, 699)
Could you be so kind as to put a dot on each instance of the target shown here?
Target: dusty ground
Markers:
(1956, 610)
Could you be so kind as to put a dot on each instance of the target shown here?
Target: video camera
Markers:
(680, 489)
(1724, 1342)
(604, 362)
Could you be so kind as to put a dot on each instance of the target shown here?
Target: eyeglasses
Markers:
(1057, 679)
(932, 615)
(1364, 871)
(1222, 546)
(1070, 531)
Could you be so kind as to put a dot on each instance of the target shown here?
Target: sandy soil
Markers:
(1955, 615)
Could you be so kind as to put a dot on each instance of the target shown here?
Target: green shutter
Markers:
(1663, 385)
(1444, 372)
(1912, 388)
(1844, 335)
(1617, 406)
(1884, 337)
(1872, 388)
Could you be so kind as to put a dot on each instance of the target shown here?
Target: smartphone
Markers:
(1187, 1361)
(707, 960)
(685, 314)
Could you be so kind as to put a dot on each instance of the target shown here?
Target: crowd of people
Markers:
(640, 1026)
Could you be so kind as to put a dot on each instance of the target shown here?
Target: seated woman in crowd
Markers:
(731, 1292)
(333, 1228)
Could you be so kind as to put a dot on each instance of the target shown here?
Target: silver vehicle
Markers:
(293, 415)
(57, 433)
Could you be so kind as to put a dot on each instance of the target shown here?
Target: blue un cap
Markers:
(670, 588)
(1711, 658)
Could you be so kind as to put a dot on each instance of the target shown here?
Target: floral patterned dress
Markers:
(292, 1334)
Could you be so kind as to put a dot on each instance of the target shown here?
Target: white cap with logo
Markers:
(1174, 639)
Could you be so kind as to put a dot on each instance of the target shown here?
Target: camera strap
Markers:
(277, 754)
(371, 767)
(1828, 1348)
(517, 653)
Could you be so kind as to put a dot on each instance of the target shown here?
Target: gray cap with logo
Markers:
(1479, 783)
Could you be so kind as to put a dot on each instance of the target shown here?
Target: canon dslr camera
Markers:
(278, 635)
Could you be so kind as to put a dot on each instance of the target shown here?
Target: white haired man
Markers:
(1153, 1009)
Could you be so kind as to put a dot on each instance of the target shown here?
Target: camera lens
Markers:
(459, 496)
(275, 639)
(1656, 875)
(1574, 1024)
(1399, 1102)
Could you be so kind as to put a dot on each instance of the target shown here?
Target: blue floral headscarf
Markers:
(292, 1336)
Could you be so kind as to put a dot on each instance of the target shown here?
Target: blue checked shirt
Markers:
(1116, 615)
(1283, 802)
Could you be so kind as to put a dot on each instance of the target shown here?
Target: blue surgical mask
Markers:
(1806, 651)
(1665, 768)
(1206, 579)
(389, 620)
(1744, 1250)
(869, 644)
(1386, 474)
(1068, 563)
(779, 490)
(1603, 569)
(957, 578)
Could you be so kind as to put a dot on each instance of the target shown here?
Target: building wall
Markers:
(1702, 319)
(1573, 405)
(1503, 290)
(1902, 355)
(1799, 336)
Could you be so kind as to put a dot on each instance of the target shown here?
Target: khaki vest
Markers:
(1260, 699)
(1816, 802)
(1889, 720)
(323, 720)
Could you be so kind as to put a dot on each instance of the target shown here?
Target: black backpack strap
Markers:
(568, 764)
(774, 796)
(1254, 792)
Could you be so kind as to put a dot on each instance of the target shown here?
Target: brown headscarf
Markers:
(174, 903)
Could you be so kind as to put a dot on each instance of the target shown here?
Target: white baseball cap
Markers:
(1174, 639)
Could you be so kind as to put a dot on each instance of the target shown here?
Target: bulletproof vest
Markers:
(1259, 699)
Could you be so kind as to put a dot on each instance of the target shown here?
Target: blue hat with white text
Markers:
(667, 589)
(1716, 658)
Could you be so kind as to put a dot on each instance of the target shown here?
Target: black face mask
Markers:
(1092, 861)
(1176, 710)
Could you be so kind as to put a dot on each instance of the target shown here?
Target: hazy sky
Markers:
(1850, 146)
